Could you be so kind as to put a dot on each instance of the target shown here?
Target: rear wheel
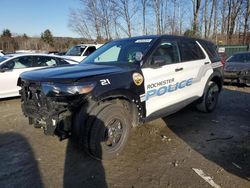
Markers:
(210, 98)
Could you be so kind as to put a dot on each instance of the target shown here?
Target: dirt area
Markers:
(161, 153)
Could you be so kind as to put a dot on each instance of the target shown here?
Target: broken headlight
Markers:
(58, 89)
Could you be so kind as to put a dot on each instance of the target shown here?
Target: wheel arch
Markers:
(129, 100)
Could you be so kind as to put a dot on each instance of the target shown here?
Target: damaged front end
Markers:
(51, 106)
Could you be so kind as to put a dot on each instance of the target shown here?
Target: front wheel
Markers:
(109, 132)
(210, 98)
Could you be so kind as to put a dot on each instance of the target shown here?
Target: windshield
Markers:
(75, 51)
(2, 58)
(118, 52)
(240, 58)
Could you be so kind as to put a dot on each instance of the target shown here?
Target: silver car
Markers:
(237, 68)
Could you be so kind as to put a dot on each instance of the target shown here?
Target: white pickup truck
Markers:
(80, 51)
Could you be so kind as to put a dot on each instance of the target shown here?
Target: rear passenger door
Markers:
(196, 66)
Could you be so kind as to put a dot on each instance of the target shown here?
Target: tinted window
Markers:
(190, 51)
(75, 51)
(167, 51)
(42, 61)
(61, 61)
(89, 50)
(211, 50)
(19, 63)
(241, 58)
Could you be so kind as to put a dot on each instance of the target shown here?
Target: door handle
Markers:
(206, 63)
(178, 69)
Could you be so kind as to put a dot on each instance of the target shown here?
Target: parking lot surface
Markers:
(161, 153)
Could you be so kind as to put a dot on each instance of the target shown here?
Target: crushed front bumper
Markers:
(53, 114)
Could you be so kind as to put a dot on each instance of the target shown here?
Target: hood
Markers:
(70, 72)
(236, 66)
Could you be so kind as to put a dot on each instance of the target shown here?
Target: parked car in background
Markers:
(80, 51)
(1, 53)
(237, 68)
(12, 65)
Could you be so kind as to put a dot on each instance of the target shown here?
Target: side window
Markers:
(89, 50)
(41, 61)
(211, 50)
(111, 54)
(190, 51)
(61, 61)
(21, 62)
(167, 51)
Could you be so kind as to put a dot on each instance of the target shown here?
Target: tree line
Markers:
(46, 42)
(223, 21)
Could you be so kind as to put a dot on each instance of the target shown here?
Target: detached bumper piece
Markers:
(51, 115)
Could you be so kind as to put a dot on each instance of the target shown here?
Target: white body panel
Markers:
(8, 82)
(8, 78)
(198, 71)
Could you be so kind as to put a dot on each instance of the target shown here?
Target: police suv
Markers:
(122, 84)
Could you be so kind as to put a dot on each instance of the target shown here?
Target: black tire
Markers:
(82, 123)
(109, 132)
(210, 98)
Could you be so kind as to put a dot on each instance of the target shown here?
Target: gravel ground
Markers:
(161, 153)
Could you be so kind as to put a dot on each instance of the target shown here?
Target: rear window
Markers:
(211, 50)
(190, 51)
(241, 58)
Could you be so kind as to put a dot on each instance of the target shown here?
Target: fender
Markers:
(126, 94)
(216, 76)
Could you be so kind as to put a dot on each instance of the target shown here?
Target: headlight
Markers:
(56, 89)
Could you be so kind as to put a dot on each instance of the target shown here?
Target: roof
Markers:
(36, 54)
(89, 45)
(162, 36)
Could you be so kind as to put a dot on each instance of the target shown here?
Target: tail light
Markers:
(222, 61)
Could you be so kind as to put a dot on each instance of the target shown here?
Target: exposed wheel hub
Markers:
(113, 133)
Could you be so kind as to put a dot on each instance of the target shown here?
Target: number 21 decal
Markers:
(105, 82)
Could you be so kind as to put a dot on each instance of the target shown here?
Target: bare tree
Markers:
(126, 11)
(215, 20)
(196, 8)
(93, 14)
(78, 23)
(144, 6)
(205, 19)
(223, 16)
(246, 18)
(233, 12)
(210, 17)
(106, 7)
(157, 10)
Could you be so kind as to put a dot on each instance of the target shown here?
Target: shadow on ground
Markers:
(223, 136)
(81, 170)
(17, 162)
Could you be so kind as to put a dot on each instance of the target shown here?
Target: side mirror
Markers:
(158, 61)
(138, 56)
